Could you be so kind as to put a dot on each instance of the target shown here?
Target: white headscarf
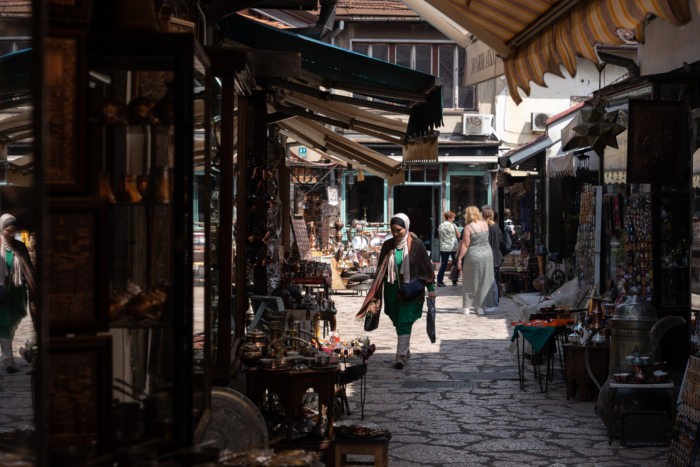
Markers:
(16, 270)
(403, 244)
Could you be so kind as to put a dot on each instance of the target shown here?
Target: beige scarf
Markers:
(405, 266)
(18, 267)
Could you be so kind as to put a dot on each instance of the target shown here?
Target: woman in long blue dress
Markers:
(17, 275)
(406, 259)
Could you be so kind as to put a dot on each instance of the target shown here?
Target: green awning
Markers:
(333, 67)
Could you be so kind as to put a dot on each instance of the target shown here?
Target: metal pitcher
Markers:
(635, 327)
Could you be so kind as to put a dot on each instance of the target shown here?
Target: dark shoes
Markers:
(441, 284)
(11, 369)
(454, 284)
(398, 365)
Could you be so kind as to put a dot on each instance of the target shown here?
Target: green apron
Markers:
(12, 312)
(402, 313)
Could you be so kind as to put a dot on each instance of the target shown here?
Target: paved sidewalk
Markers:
(16, 412)
(458, 402)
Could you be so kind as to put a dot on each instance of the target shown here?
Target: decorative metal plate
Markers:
(235, 422)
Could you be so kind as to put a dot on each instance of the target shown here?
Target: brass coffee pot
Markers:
(634, 329)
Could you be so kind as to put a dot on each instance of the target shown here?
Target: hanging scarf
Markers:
(402, 245)
(19, 255)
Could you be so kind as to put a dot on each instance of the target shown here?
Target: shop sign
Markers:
(332, 196)
(483, 64)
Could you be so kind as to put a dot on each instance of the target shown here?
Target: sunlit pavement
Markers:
(458, 401)
(16, 412)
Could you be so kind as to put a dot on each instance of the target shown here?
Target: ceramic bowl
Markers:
(660, 376)
(621, 377)
(267, 362)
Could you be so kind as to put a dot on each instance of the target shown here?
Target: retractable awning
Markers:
(522, 153)
(344, 115)
(535, 37)
(338, 147)
(335, 68)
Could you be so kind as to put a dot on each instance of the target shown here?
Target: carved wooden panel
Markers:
(79, 391)
(77, 279)
(301, 237)
(655, 149)
(65, 83)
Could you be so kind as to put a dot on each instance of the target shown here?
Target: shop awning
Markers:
(344, 115)
(521, 154)
(535, 37)
(335, 68)
(566, 165)
(338, 147)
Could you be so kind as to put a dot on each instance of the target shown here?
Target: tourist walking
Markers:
(475, 260)
(408, 272)
(449, 235)
(497, 244)
(16, 279)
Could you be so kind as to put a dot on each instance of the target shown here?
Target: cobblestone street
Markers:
(16, 411)
(458, 402)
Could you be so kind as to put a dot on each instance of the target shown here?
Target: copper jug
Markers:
(104, 189)
(128, 190)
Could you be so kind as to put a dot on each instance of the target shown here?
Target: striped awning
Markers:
(535, 37)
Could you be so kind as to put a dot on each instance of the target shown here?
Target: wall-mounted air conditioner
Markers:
(539, 121)
(476, 124)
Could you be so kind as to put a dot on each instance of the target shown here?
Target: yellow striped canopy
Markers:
(538, 36)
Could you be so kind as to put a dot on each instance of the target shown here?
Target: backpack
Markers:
(506, 245)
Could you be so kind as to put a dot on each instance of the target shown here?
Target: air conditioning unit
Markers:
(539, 121)
(476, 124)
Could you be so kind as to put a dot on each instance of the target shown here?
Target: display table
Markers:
(290, 386)
(615, 419)
(376, 447)
(577, 380)
(546, 341)
(508, 274)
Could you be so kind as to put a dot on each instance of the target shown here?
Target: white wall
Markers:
(554, 98)
(666, 46)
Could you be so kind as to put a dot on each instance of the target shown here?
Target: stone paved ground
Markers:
(16, 411)
(438, 416)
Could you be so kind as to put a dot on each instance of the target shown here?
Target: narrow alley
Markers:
(458, 402)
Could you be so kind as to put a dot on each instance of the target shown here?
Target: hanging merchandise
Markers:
(639, 268)
(588, 237)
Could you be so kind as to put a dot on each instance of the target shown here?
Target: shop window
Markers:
(451, 65)
(446, 72)
(403, 55)
(417, 173)
(432, 173)
(424, 53)
(466, 190)
(365, 199)
(466, 94)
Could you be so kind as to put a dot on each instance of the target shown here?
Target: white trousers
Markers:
(403, 344)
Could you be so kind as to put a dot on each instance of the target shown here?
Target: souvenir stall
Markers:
(521, 196)
(358, 255)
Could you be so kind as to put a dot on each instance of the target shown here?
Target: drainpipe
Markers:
(337, 30)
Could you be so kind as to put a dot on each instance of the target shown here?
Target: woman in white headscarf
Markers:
(16, 280)
(406, 259)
